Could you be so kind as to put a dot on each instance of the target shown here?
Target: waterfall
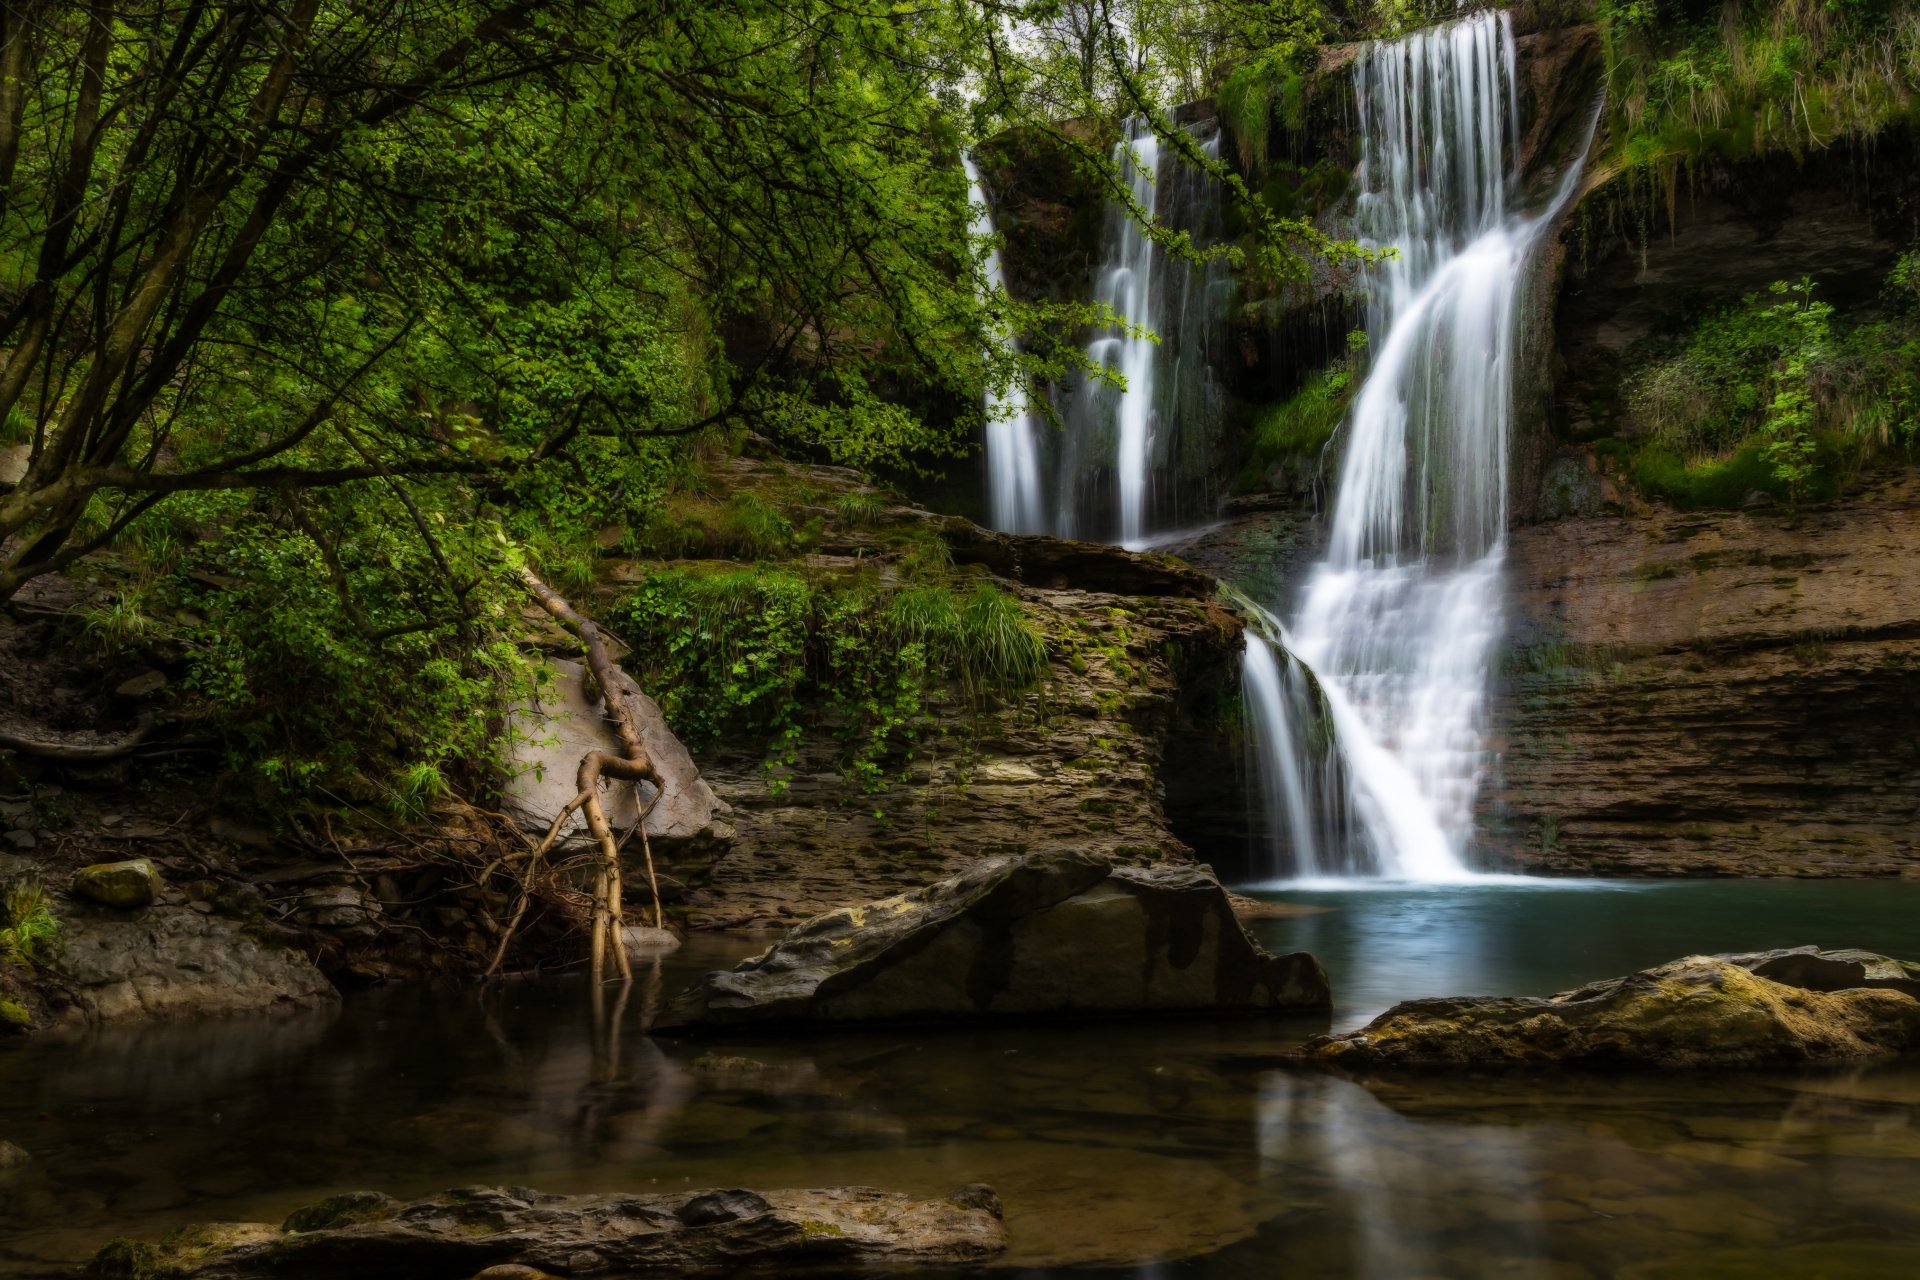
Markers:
(1134, 460)
(1398, 621)
(1014, 500)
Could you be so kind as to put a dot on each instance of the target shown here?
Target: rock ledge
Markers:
(1771, 1007)
(513, 1231)
(1063, 932)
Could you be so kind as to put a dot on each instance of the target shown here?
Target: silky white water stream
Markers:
(1396, 626)
(1014, 480)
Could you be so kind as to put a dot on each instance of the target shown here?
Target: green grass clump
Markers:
(29, 931)
(1746, 79)
(747, 652)
(1299, 426)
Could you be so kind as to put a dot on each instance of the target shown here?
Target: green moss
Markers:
(814, 1229)
(14, 1017)
(340, 1211)
(125, 1259)
(1297, 427)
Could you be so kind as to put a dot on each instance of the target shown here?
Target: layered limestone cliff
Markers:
(1714, 693)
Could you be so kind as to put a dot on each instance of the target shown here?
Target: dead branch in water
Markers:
(633, 764)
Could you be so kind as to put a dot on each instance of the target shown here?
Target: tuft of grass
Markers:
(859, 507)
(29, 931)
(1299, 426)
(984, 639)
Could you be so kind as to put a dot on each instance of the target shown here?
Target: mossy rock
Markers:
(124, 885)
(345, 1210)
(14, 1017)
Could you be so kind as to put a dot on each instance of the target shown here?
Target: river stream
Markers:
(1174, 1148)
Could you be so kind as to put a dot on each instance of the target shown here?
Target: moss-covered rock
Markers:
(125, 885)
(1802, 1005)
(519, 1234)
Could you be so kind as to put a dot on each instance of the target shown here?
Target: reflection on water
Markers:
(1382, 943)
(1155, 1149)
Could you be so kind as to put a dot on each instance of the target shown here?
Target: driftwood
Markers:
(51, 744)
(632, 765)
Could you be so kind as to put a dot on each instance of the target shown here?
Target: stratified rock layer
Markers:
(1802, 1005)
(1050, 933)
(1714, 693)
(465, 1232)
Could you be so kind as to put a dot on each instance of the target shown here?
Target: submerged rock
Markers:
(1065, 932)
(124, 885)
(513, 1231)
(1799, 1005)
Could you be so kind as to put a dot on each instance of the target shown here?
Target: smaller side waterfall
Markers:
(1132, 458)
(1014, 490)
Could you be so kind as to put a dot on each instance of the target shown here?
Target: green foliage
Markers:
(1690, 82)
(749, 651)
(29, 931)
(1301, 425)
(1774, 385)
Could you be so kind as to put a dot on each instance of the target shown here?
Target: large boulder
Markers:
(1054, 933)
(550, 737)
(513, 1231)
(1800, 1005)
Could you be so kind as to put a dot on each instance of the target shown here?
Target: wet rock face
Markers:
(513, 1231)
(1052, 933)
(173, 962)
(1715, 692)
(1773, 1007)
(1638, 260)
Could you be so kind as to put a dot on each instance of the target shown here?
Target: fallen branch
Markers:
(633, 764)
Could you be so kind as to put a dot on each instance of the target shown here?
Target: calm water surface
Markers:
(1147, 1149)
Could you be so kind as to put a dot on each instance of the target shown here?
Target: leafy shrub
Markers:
(1774, 383)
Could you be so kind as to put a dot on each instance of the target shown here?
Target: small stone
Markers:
(978, 1195)
(144, 685)
(513, 1271)
(23, 839)
(645, 941)
(721, 1206)
(204, 907)
(126, 885)
(12, 1157)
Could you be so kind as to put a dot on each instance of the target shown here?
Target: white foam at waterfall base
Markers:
(1399, 622)
(1014, 481)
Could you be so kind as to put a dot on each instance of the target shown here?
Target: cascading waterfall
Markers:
(1130, 458)
(1396, 624)
(1015, 502)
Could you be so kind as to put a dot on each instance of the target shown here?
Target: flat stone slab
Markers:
(1059, 933)
(1770, 1007)
(516, 1232)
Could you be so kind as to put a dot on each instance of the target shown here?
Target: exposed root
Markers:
(633, 765)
